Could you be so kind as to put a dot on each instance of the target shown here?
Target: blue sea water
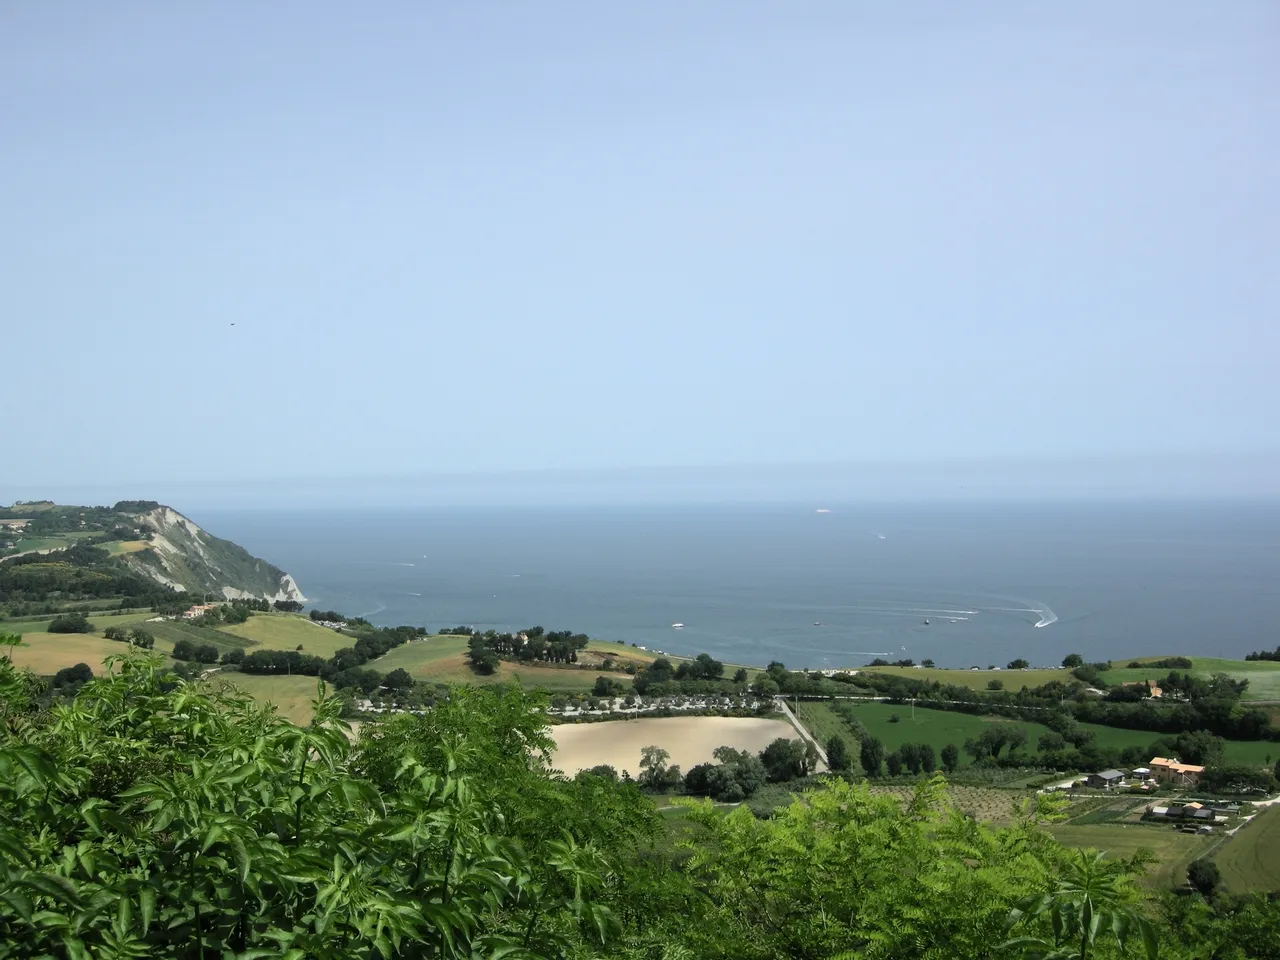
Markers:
(753, 583)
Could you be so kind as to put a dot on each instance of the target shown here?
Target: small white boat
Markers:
(677, 626)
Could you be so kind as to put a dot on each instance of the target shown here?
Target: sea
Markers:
(814, 586)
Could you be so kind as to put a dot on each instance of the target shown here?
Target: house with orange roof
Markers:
(1171, 771)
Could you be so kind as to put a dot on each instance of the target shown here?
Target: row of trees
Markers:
(1264, 655)
(734, 776)
(346, 669)
(486, 650)
(136, 636)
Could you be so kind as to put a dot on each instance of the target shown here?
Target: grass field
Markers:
(974, 679)
(1175, 850)
(1250, 861)
(936, 727)
(444, 660)
(27, 544)
(1263, 675)
(940, 727)
(292, 696)
(117, 547)
(171, 631)
(285, 632)
(47, 653)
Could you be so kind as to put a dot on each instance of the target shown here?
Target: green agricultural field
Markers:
(292, 696)
(444, 660)
(1175, 850)
(935, 727)
(286, 631)
(27, 544)
(974, 679)
(823, 722)
(940, 727)
(171, 631)
(1249, 752)
(40, 626)
(47, 653)
(1250, 861)
(1263, 675)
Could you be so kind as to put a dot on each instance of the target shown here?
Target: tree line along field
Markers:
(974, 679)
(941, 727)
(443, 659)
(1263, 675)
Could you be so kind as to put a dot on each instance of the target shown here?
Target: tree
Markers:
(233, 658)
(740, 675)
(838, 758)
(1088, 902)
(785, 759)
(928, 759)
(1072, 660)
(927, 662)
(871, 755)
(995, 684)
(70, 623)
(765, 687)
(184, 649)
(119, 634)
(654, 774)
(206, 653)
(893, 763)
(1052, 742)
(950, 758)
(1204, 875)
(73, 676)
(450, 863)
(1019, 664)
(909, 754)
(606, 687)
(141, 638)
(398, 679)
(1201, 748)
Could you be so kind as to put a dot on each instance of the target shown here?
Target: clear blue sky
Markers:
(477, 237)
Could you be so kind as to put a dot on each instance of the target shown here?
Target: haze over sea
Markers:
(814, 589)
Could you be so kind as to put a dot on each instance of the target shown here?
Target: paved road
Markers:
(805, 735)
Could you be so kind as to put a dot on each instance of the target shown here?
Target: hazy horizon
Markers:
(282, 253)
(1100, 479)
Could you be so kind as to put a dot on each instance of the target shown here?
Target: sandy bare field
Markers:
(689, 740)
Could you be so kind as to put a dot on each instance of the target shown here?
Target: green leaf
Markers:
(147, 906)
(1150, 938)
(19, 902)
(58, 888)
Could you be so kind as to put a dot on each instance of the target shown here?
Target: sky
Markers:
(580, 239)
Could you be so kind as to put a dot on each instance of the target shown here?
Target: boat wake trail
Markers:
(1047, 617)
